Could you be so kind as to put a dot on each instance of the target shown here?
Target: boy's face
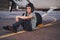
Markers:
(28, 9)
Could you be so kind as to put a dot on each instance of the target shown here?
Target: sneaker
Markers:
(5, 27)
(10, 28)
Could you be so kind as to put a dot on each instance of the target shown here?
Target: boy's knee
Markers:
(17, 19)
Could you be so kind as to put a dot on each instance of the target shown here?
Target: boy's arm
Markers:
(25, 17)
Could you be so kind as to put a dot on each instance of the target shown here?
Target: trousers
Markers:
(26, 24)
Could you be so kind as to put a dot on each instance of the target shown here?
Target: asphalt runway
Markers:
(50, 31)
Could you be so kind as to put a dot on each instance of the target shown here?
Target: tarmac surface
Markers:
(50, 31)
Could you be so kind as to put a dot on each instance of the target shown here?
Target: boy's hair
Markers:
(30, 5)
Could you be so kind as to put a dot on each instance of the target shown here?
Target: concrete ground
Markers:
(50, 31)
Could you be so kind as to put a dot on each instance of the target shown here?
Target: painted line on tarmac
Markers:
(11, 34)
(51, 23)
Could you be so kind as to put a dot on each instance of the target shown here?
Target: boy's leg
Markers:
(27, 25)
(17, 24)
(14, 27)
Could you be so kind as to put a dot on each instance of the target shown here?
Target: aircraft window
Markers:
(18, 0)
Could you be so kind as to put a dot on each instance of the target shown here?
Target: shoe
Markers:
(5, 27)
(10, 28)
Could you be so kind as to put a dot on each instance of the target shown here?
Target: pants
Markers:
(26, 24)
(13, 4)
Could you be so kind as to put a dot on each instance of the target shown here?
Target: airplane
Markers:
(38, 4)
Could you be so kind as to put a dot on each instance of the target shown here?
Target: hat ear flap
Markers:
(32, 9)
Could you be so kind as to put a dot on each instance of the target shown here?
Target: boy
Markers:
(28, 20)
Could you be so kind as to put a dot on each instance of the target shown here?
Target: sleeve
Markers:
(32, 15)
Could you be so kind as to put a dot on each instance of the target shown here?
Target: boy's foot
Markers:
(10, 28)
(5, 27)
